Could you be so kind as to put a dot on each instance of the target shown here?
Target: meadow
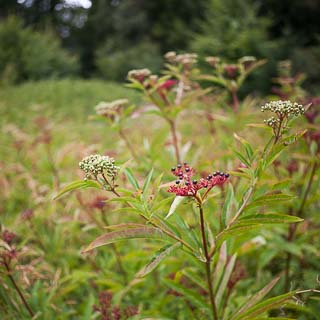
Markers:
(141, 237)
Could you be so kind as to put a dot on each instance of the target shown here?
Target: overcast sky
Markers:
(83, 3)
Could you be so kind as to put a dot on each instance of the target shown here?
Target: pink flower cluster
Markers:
(186, 187)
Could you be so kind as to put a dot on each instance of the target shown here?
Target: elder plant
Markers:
(170, 93)
(205, 242)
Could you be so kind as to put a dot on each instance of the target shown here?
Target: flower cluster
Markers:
(111, 109)
(139, 75)
(185, 186)
(284, 108)
(97, 164)
(186, 59)
(108, 311)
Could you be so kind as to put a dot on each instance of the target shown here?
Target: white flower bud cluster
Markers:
(109, 109)
(98, 164)
(186, 59)
(284, 108)
(213, 61)
(272, 122)
(139, 74)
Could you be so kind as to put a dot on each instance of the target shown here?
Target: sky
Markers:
(83, 3)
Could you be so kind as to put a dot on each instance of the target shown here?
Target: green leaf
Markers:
(242, 158)
(256, 298)
(147, 181)
(268, 199)
(131, 179)
(159, 256)
(191, 295)
(226, 276)
(246, 145)
(266, 305)
(76, 185)
(133, 233)
(269, 218)
(176, 202)
(227, 206)
(236, 230)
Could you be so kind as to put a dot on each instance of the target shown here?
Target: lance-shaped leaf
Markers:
(267, 199)
(256, 298)
(159, 256)
(269, 218)
(235, 231)
(176, 202)
(133, 233)
(131, 179)
(224, 282)
(76, 185)
(269, 304)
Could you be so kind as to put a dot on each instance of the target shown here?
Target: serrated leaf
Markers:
(256, 298)
(157, 259)
(236, 230)
(269, 218)
(267, 199)
(266, 305)
(192, 296)
(76, 185)
(176, 202)
(133, 233)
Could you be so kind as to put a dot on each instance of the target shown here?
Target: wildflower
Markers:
(284, 108)
(94, 165)
(111, 109)
(27, 214)
(8, 236)
(186, 59)
(231, 70)
(185, 186)
(139, 75)
(247, 61)
(213, 61)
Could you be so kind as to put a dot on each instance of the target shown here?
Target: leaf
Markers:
(226, 276)
(256, 298)
(267, 199)
(131, 179)
(246, 145)
(236, 230)
(227, 206)
(266, 305)
(176, 202)
(269, 218)
(242, 158)
(133, 233)
(147, 181)
(76, 185)
(192, 296)
(157, 259)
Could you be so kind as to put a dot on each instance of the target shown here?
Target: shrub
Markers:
(29, 55)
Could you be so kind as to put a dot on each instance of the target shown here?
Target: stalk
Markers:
(207, 264)
(173, 129)
(23, 299)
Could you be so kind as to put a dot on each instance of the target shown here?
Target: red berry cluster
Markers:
(185, 186)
